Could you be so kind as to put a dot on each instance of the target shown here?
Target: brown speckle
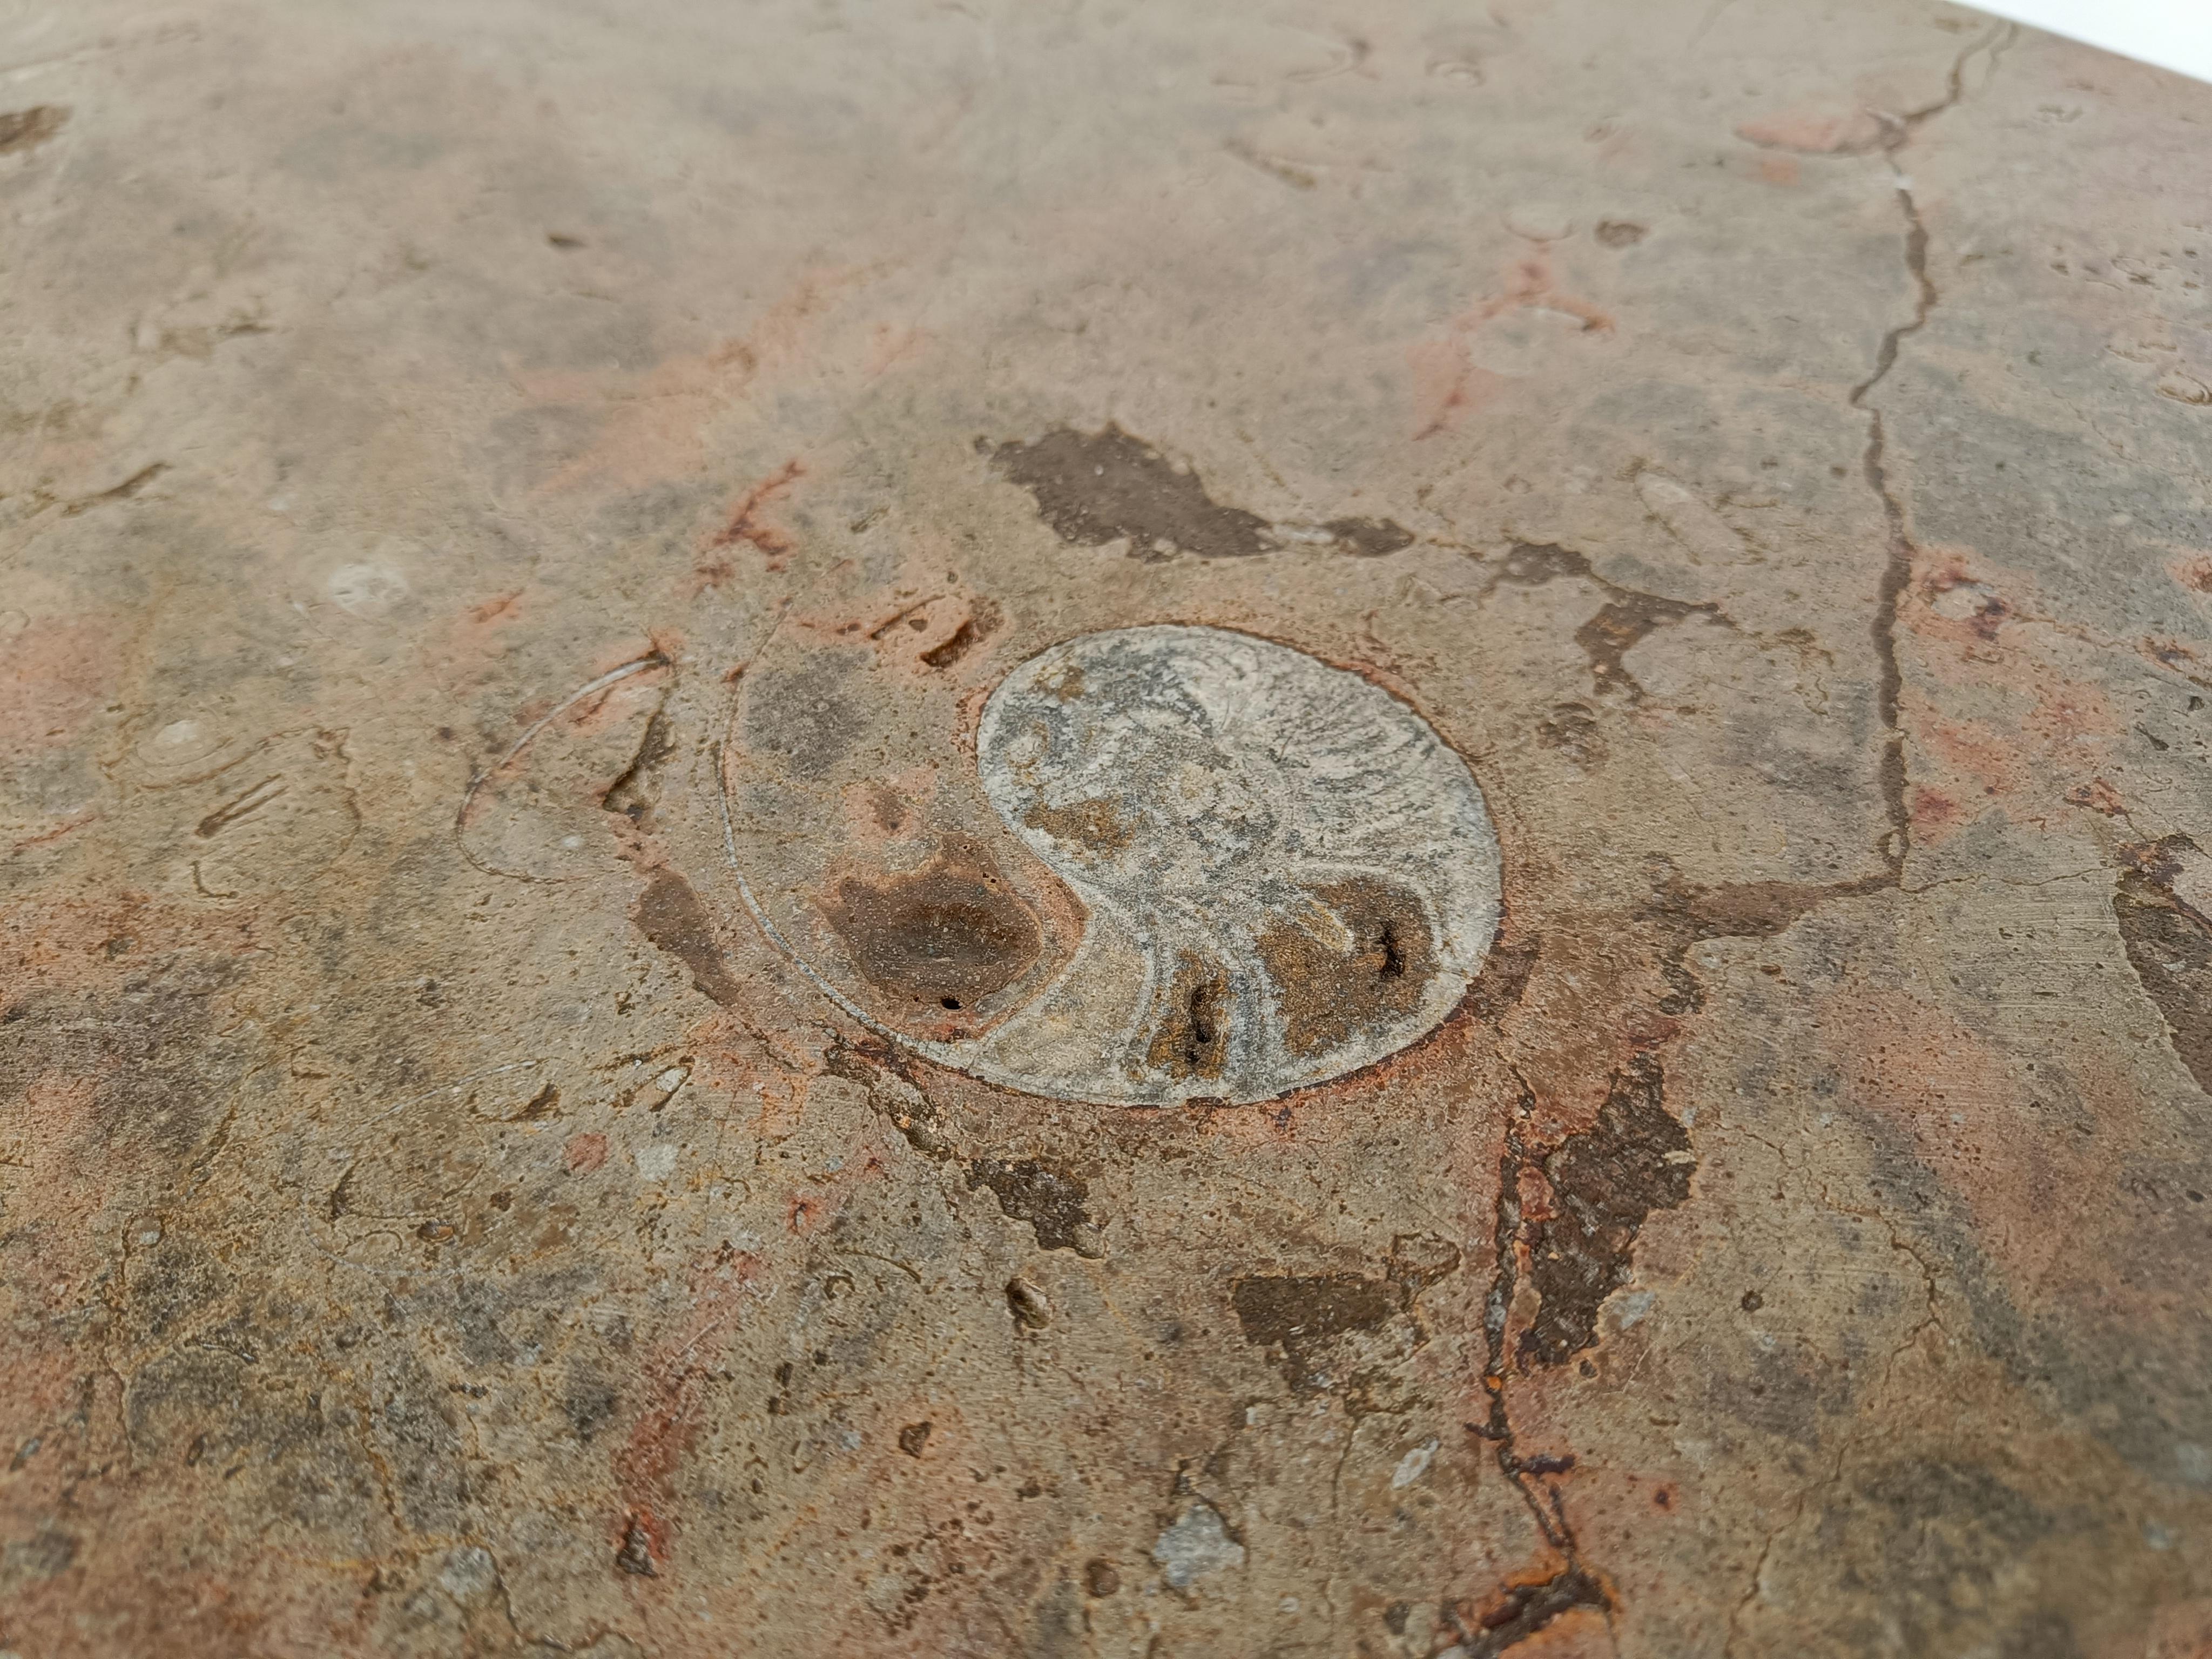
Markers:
(1368, 539)
(914, 1437)
(1619, 233)
(981, 621)
(26, 129)
(1095, 824)
(1028, 1305)
(636, 1555)
(1519, 1611)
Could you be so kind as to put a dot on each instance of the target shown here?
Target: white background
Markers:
(2175, 34)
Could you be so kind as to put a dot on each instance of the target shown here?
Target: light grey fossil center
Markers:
(1288, 874)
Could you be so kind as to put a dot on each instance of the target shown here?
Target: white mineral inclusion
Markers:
(1289, 875)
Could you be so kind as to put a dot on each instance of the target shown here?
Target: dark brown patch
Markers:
(1028, 1305)
(1619, 233)
(951, 934)
(2169, 944)
(26, 129)
(1620, 626)
(1368, 539)
(1095, 823)
(636, 1555)
(1748, 909)
(1519, 1611)
(914, 1437)
(981, 622)
(1301, 1314)
(889, 808)
(1604, 1182)
(1628, 616)
(1097, 487)
(1192, 1040)
(1050, 1200)
(1326, 995)
(1531, 564)
(1099, 1578)
(669, 914)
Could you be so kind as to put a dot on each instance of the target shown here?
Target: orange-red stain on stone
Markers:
(1814, 130)
(1447, 381)
(1971, 1115)
(458, 655)
(2194, 573)
(584, 1153)
(1986, 761)
(1934, 812)
(654, 425)
(746, 526)
(55, 675)
(672, 1380)
(2097, 796)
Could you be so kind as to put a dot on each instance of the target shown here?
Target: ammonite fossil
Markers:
(1178, 862)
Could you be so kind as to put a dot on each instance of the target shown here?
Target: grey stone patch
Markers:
(1197, 1546)
(805, 717)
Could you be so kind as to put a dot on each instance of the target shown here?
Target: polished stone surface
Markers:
(484, 485)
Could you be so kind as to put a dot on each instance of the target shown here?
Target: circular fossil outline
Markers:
(1253, 924)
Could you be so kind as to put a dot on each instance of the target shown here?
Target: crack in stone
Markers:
(1896, 571)
(1530, 1608)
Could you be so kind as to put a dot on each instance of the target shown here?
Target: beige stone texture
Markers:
(1770, 441)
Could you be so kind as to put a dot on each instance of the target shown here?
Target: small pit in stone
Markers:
(1193, 1039)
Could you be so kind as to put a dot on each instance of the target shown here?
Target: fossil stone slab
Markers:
(1311, 831)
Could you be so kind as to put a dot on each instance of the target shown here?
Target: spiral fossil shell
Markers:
(1211, 865)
